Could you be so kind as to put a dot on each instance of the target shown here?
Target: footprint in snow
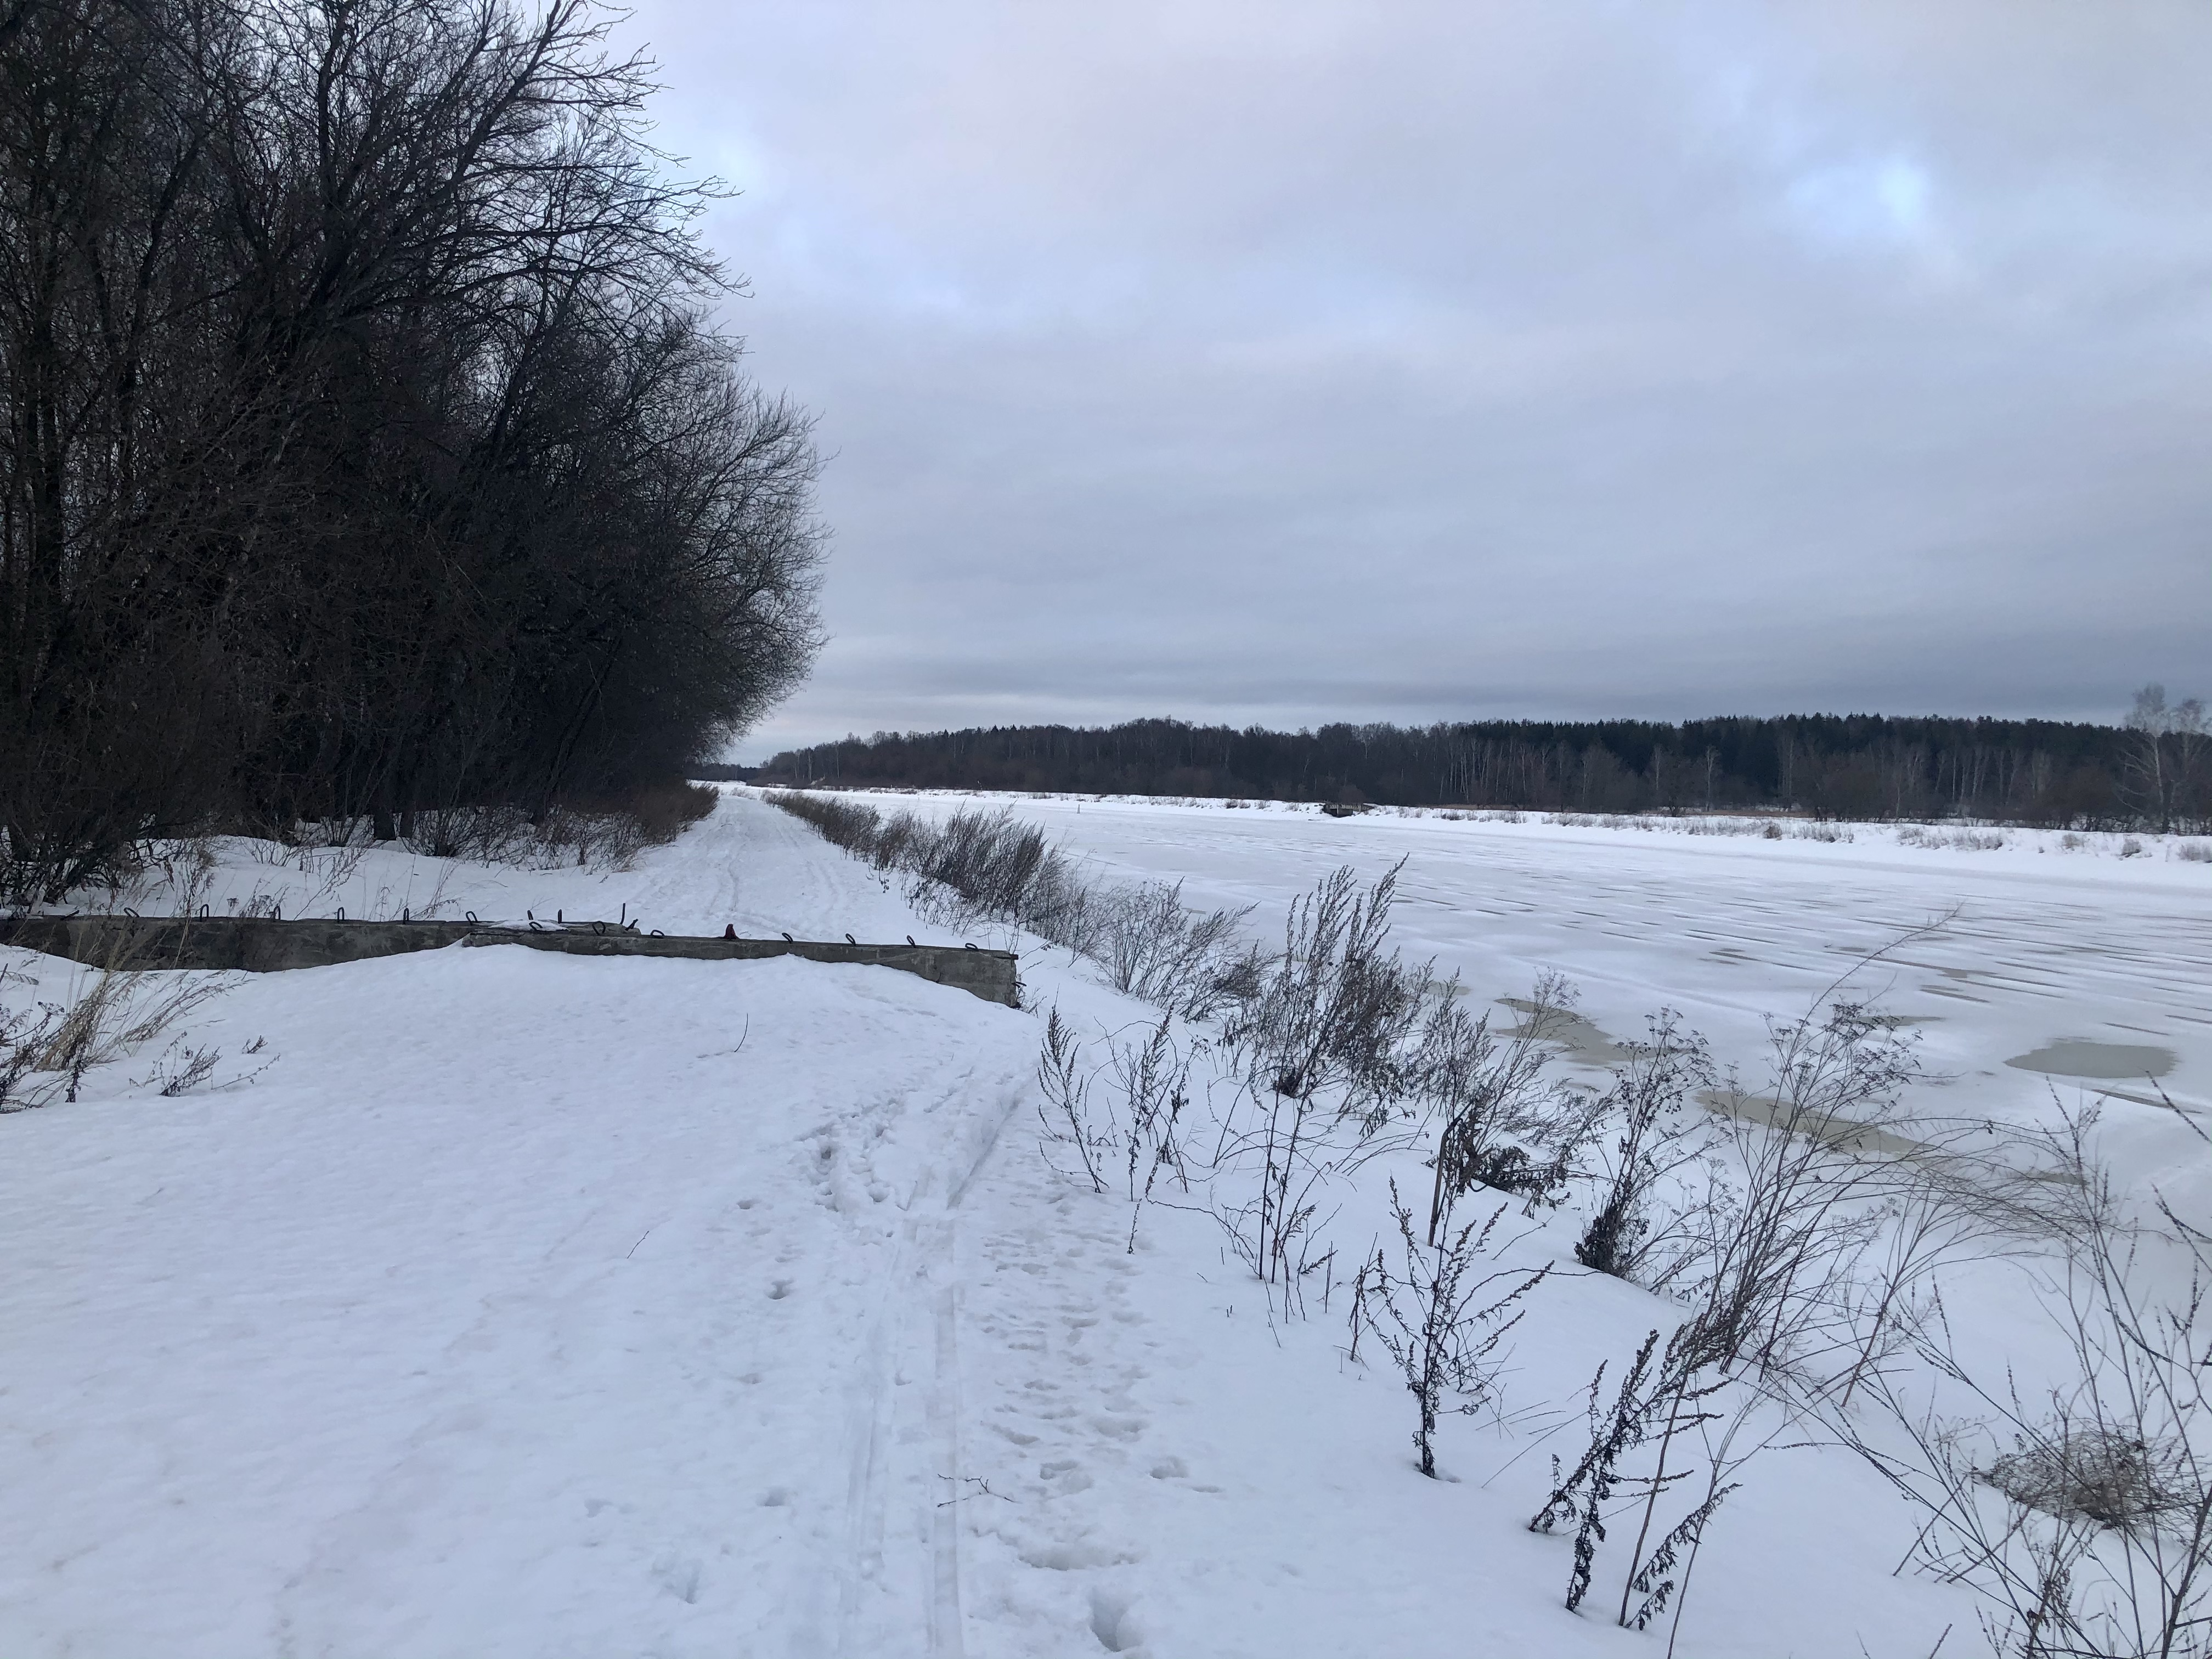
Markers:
(679, 1575)
(1112, 1623)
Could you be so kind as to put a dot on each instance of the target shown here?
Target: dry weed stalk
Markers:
(1439, 1320)
(117, 1006)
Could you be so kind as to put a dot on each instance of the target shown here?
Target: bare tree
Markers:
(366, 449)
(2164, 761)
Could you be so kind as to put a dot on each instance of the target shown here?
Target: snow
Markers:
(537, 1305)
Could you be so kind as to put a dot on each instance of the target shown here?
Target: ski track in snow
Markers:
(534, 1305)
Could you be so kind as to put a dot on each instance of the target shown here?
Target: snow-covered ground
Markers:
(537, 1305)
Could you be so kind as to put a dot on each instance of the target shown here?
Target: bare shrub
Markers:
(986, 858)
(23, 1037)
(89, 1032)
(1663, 1395)
(115, 1008)
(1155, 949)
(333, 867)
(1153, 1079)
(2082, 1512)
(1769, 1266)
(1496, 1101)
(1333, 1013)
(184, 1069)
(1804, 1224)
(1064, 1109)
(1324, 1054)
(974, 865)
(1789, 1301)
(1654, 1143)
(169, 876)
(1945, 1205)
(987, 866)
(664, 810)
(597, 834)
(1581, 1494)
(1439, 1320)
(980, 865)
(986, 862)
(1150, 1079)
(841, 822)
(896, 841)
(1963, 840)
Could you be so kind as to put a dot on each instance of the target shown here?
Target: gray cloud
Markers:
(1293, 362)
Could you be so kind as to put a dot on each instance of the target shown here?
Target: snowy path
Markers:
(371, 1355)
(524, 1305)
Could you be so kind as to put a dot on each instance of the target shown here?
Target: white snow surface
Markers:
(535, 1305)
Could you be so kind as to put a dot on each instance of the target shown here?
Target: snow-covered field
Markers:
(527, 1304)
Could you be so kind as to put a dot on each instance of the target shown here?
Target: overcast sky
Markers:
(1296, 361)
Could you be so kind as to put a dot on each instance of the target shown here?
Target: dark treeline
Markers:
(368, 447)
(2152, 774)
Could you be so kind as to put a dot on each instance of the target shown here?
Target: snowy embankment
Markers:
(534, 1305)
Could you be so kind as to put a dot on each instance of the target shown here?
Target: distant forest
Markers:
(2151, 774)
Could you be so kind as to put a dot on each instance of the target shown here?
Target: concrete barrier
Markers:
(258, 945)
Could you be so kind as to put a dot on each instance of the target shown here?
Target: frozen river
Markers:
(2076, 970)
